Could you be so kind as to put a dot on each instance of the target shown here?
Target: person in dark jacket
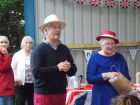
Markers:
(6, 74)
(51, 61)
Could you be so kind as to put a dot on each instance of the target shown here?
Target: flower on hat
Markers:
(107, 34)
(52, 19)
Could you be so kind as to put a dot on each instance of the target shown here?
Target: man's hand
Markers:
(64, 66)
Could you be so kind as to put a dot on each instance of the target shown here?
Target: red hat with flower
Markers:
(107, 34)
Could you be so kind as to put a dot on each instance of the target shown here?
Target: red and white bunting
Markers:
(95, 2)
(80, 1)
(137, 3)
(124, 4)
(110, 3)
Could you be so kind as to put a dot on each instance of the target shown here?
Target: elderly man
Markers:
(51, 61)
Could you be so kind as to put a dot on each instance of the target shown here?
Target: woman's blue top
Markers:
(102, 91)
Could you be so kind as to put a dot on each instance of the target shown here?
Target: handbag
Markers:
(120, 82)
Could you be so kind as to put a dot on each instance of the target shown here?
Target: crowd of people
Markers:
(39, 76)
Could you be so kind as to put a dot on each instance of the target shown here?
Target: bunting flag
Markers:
(110, 3)
(80, 1)
(88, 54)
(133, 53)
(95, 2)
(137, 4)
(124, 3)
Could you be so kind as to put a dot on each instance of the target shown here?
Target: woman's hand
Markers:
(109, 75)
(4, 51)
(18, 82)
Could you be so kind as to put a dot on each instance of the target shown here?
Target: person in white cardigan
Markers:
(22, 72)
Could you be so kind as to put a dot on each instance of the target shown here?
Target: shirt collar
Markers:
(59, 42)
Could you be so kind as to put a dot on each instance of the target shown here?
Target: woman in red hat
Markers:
(104, 65)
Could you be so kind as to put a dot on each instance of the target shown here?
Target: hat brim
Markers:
(99, 37)
(62, 25)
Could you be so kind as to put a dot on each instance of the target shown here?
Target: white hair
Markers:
(46, 28)
(4, 38)
(49, 25)
(25, 39)
(101, 42)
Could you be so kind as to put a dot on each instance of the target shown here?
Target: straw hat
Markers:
(51, 19)
(107, 34)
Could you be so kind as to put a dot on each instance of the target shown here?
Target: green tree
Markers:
(12, 22)
(7, 1)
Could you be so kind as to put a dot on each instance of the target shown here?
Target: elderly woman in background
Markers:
(6, 74)
(22, 72)
(103, 65)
